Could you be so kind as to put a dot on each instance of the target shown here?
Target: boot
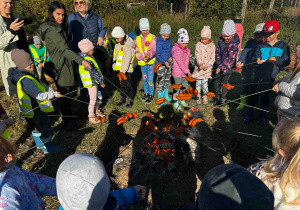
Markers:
(144, 98)
(166, 95)
(149, 99)
(161, 95)
(176, 102)
(49, 146)
(122, 101)
(205, 99)
(129, 103)
(199, 101)
(36, 137)
(243, 101)
(248, 119)
(262, 117)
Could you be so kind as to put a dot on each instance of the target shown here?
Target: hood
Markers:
(236, 39)
(159, 39)
(16, 74)
(47, 26)
(129, 42)
(82, 183)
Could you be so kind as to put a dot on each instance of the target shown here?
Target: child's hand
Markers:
(141, 191)
(103, 85)
(218, 71)
(189, 74)
(59, 95)
(273, 59)
(86, 65)
(145, 59)
(259, 61)
(40, 65)
(205, 68)
(275, 88)
(167, 64)
(239, 64)
(201, 66)
(170, 59)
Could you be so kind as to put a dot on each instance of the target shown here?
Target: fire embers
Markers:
(228, 86)
(127, 116)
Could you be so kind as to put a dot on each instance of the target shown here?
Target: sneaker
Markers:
(129, 103)
(149, 99)
(145, 97)
(122, 101)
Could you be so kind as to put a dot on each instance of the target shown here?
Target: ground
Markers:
(220, 138)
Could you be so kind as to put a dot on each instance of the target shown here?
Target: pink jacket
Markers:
(205, 54)
(240, 32)
(181, 58)
(151, 51)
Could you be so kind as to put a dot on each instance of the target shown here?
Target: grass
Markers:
(107, 140)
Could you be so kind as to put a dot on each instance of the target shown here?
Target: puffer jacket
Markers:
(128, 50)
(180, 61)
(61, 56)
(163, 50)
(289, 99)
(205, 54)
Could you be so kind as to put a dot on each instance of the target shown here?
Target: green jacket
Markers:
(57, 46)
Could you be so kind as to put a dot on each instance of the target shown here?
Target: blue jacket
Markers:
(94, 26)
(163, 50)
(247, 54)
(280, 50)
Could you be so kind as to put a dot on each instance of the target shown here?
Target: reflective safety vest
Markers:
(85, 74)
(146, 47)
(119, 59)
(5, 134)
(25, 101)
(108, 45)
(36, 57)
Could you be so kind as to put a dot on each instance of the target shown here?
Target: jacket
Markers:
(280, 50)
(129, 50)
(205, 54)
(151, 51)
(59, 52)
(40, 52)
(21, 189)
(163, 50)
(289, 99)
(94, 25)
(247, 54)
(180, 61)
(259, 171)
(8, 42)
(239, 32)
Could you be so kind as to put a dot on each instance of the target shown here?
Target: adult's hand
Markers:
(100, 41)
(15, 26)
(86, 65)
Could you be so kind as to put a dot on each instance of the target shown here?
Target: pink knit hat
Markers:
(206, 32)
(85, 45)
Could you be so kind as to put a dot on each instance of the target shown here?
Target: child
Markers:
(34, 99)
(226, 53)
(82, 183)
(21, 189)
(145, 47)
(246, 58)
(123, 62)
(181, 55)
(109, 46)
(39, 54)
(289, 99)
(277, 55)
(164, 55)
(91, 78)
(281, 172)
(205, 57)
(239, 28)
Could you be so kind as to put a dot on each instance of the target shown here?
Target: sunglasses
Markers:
(81, 3)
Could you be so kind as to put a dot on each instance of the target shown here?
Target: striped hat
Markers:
(228, 28)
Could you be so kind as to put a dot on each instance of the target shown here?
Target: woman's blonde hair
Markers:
(7, 148)
(87, 3)
(286, 136)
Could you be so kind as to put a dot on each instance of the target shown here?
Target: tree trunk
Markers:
(282, 3)
(272, 4)
(244, 8)
(295, 3)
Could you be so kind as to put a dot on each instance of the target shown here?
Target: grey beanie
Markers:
(82, 183)
(21, 58)
(36, 40)
(228, 28)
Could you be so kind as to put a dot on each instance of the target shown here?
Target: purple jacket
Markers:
(226, 54)
(181, 58)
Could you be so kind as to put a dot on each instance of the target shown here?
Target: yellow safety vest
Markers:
(139, 45)
(36, 57)
(107, 44)
(119, 59)
(5, 134)
(85, 74)
(25, 101)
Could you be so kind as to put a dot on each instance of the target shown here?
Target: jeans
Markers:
(222, 79)
(204, 84)
(43, 124)
(247, 73)
(182, 81)
(148, 76)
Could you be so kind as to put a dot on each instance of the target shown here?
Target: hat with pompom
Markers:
(206, 32)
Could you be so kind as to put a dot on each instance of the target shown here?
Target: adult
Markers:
(12, 35)
(54, 33)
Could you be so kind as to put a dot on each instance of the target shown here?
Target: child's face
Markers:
(90, 52)
(38, 46)
(119, 40)
(145, 33)
(258, 37)
(30, 68)
(273, 37)
(205, 41)
(227, 38)
(183, 45)
(165, 36)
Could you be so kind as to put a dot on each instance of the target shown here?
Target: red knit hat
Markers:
(270, 28)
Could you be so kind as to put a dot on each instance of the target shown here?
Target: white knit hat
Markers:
(118, 32)
(165, 29)
(144, 24)
(183, 36)
(228, 28)
(206, 32)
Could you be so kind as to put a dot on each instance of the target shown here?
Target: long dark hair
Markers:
(57, 5)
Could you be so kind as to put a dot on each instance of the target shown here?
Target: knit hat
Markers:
(298, 51)
(118, 32)
(206, 32)
(259, 28)
(183, 36)
(270, 28)
(165, 29)
(144, 24)
(36, 40)
(85, 45)
(228, 28)
(82, 183)
(21, 58)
